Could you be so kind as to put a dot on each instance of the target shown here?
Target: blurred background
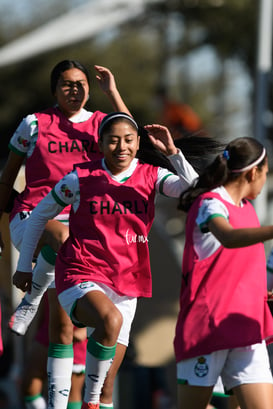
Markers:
(209, 59)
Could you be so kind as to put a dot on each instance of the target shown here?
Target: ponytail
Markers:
(239, 156)
(198, 150)
(216, 174)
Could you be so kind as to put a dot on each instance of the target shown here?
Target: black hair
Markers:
(113, 117)
(147, 153)
(227, 166)
(198, 150)
(63, 66)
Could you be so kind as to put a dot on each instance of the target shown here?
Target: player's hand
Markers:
(105, 79)
(22, 280)
(161, 138)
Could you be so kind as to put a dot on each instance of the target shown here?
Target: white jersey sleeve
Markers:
(64, 193)
(24, 138)
(210, 208)
(172, 185)
(205, 243)
(67, 190)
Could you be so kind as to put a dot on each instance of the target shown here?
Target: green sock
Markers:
(99, 359)
(35, 402)
(74, 405)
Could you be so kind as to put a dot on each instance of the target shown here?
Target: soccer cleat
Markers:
(90, 405)
(22, 317)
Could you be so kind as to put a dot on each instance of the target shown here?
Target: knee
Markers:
(62, 236)
(66, 329)
(113, 322)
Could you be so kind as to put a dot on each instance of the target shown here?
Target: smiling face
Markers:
(119, 144)
(72, 91)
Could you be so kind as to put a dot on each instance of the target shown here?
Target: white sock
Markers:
(59, 371)
(43, 275)
(34, 402)
(99, 358)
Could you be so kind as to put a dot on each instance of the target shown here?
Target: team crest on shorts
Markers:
(201, 368)
(86, 285)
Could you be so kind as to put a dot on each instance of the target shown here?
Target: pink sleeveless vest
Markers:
(108, 241)
(223, 300)
(60, 144)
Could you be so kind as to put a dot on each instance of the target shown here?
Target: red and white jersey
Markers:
(108, 240)
(60, 144)
(223, 300)
(110, 218)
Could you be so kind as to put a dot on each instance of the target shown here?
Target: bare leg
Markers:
(255, 396)
(193, 397)
(77, 383)
(108, 387)
(97, 311)
(60, 325)
(54, 235)
(34, 374)
(233, 402)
